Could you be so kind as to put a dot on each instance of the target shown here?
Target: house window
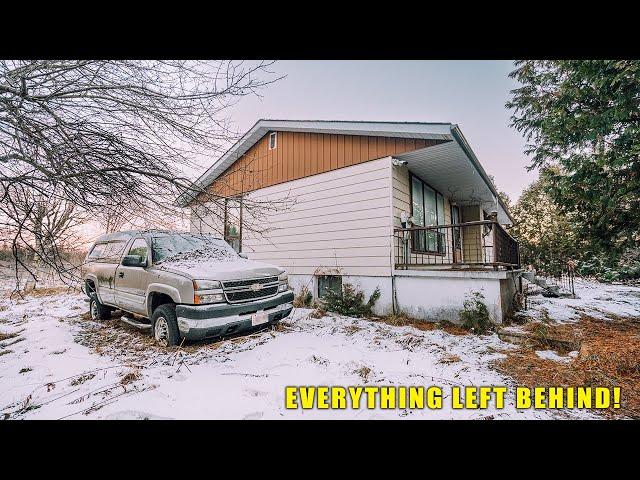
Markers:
(427, 209)
(329, 282)
(273, 140)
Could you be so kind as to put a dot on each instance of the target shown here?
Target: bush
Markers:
(605, 269)
(475, 315)
(303, 299)
(350, 302)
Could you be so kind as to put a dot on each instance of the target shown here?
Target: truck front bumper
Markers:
(197, 322)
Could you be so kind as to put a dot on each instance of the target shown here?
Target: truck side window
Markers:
(113, 251)
(139, 247)
(97, 251)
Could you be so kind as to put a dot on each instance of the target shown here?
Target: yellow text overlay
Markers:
(457, 397)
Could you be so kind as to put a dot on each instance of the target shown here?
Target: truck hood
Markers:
(221, 270)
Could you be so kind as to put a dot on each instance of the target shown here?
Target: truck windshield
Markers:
(178, 247)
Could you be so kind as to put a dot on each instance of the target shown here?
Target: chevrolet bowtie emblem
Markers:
(255, 287)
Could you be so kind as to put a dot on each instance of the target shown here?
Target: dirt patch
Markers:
(402, 320)
(609, 356)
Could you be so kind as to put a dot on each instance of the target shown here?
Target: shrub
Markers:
(475, 315)
(606, 269)
(304, 298)
(350, 301)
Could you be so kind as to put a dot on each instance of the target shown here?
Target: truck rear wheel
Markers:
(164, 325)
(97, 310)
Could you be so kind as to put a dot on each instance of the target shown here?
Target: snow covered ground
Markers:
(595, 299)
(61, 365)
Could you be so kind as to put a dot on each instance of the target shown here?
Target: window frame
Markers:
(133, 243)
(323, 278)
(274, 136)
(424, 219)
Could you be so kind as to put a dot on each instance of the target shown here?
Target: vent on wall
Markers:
(273, 140)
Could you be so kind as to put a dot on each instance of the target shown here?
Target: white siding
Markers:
(338, 222)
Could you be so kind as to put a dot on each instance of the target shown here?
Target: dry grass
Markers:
(130, 377)
(45, 291)
(402, 320)
(364, 373)
(7, 336)
(449, 358)
(81, 379)
(609, 356)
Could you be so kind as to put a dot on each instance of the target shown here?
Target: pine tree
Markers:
(583, 116)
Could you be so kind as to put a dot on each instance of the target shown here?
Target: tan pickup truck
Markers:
(182, 285)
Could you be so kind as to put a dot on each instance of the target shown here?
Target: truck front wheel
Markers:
(164, 325)
(98, 311)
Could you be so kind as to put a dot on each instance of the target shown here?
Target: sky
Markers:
(471, 94)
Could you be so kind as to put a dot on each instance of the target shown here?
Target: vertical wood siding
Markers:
(299, 155)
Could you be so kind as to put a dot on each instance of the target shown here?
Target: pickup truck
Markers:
(182, 285)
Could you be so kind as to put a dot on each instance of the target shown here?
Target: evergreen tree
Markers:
(583, 116)
(547, 236)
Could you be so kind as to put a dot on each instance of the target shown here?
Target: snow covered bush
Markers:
(349, 301)
(475, 315)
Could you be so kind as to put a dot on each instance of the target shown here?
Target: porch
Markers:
(483, 244)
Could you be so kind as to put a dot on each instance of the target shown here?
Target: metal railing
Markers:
(475, 244)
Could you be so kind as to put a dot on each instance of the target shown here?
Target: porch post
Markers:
(493, 216)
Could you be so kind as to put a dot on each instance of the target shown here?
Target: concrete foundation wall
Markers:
(431, 295)
(367, 284)
(440, 295)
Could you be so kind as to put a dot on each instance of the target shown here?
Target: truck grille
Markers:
(246, 295)
(246, 283)
(238, 291)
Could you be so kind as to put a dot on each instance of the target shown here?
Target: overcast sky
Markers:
(469, 93)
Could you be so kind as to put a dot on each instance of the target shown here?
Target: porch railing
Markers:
(483, 243)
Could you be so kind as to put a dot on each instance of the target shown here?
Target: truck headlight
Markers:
(206, 284)
(283, 282)
(202, 299)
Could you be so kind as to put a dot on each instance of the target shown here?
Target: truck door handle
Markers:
(121, 274)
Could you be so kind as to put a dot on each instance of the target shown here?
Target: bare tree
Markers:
(100, 135)
(112, 218)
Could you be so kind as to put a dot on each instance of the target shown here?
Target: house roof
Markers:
(423, 130)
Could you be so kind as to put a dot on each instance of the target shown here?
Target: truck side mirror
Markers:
(134, 261)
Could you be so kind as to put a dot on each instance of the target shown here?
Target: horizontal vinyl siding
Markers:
(338, 220)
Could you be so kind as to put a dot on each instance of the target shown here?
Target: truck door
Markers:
(105, 258)
(131, 282)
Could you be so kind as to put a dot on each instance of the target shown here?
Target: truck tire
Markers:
(164, 325)
(97, 310)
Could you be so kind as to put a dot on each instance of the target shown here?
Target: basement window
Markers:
(273, 140)
(329, 282)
